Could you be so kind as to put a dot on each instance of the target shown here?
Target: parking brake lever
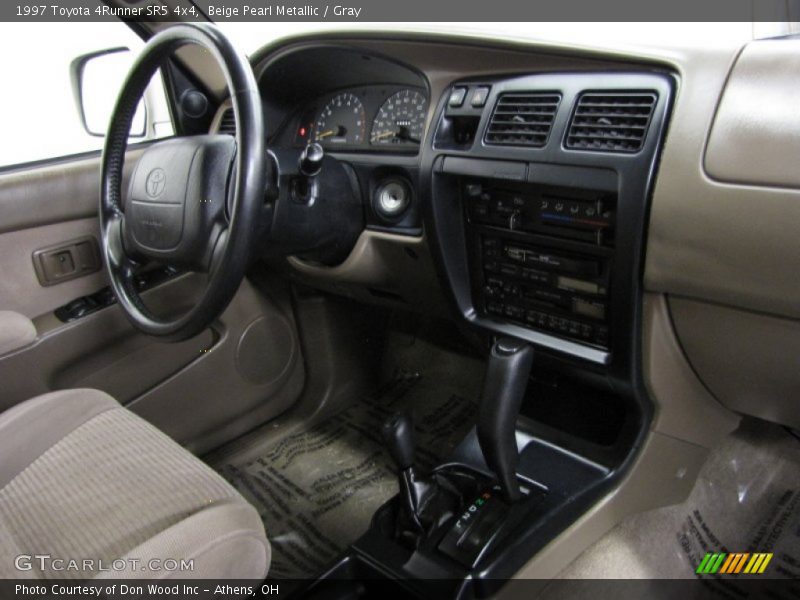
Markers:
(507, 375)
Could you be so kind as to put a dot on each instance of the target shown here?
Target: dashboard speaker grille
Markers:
(611, 122)
(227, 124)
(523, 119)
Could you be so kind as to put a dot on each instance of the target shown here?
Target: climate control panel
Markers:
(571, 214)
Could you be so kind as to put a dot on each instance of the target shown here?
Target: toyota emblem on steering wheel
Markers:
(156, 180)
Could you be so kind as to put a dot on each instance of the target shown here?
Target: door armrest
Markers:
(16, 331)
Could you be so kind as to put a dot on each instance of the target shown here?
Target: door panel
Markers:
(243, 370)
(41, 207)
(53, 193)
(20, 289)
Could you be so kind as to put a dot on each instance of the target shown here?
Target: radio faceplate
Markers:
(553, 279)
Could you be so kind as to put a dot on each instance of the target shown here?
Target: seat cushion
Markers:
(84, 479)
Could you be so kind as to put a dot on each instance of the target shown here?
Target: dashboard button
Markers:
(479, 96)
(515, 253)
(495, 308)
(474, 189)
(457, 97)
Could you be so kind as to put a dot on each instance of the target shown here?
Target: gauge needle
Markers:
(325, 134)
(402, 135)
(385, 134)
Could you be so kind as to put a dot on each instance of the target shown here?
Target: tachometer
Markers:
(401, 119)
(341, 122)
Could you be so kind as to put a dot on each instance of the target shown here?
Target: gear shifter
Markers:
(503, 390)
(426, 503)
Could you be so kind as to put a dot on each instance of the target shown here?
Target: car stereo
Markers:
(542, 256)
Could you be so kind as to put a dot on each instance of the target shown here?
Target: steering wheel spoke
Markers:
(115, 248)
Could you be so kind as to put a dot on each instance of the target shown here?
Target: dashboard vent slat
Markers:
(227, 124)
(611, 121)
(523, 119)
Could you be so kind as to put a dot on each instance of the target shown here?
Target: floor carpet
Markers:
(746, 500)
(318, 487)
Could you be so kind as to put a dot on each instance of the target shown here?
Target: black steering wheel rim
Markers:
(248, 180)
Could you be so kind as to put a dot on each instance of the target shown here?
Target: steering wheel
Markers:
(175, 212)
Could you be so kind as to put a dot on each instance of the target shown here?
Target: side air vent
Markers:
(611, 122)
(227, 124)
(523, 119)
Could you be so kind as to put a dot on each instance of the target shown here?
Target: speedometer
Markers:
(342, 121)
(401, 119)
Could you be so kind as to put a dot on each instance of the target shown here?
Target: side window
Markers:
(40, 113)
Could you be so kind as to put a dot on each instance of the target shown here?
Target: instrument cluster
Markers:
(378, 117)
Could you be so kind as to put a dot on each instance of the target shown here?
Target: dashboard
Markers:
(529, 189)
(482, 207)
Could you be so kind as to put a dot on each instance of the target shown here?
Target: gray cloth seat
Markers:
(83, 479)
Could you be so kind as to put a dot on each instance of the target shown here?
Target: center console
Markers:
(539, 213)
(461, 530)
(538, 195)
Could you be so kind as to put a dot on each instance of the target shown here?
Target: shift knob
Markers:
(507, 375)
(398, 433)
(311, 160)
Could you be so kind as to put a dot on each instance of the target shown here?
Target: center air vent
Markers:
(227, 124)
(523, 119)
(611, 122)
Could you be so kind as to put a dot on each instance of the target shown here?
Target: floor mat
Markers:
(317, 489)
(746, 500)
